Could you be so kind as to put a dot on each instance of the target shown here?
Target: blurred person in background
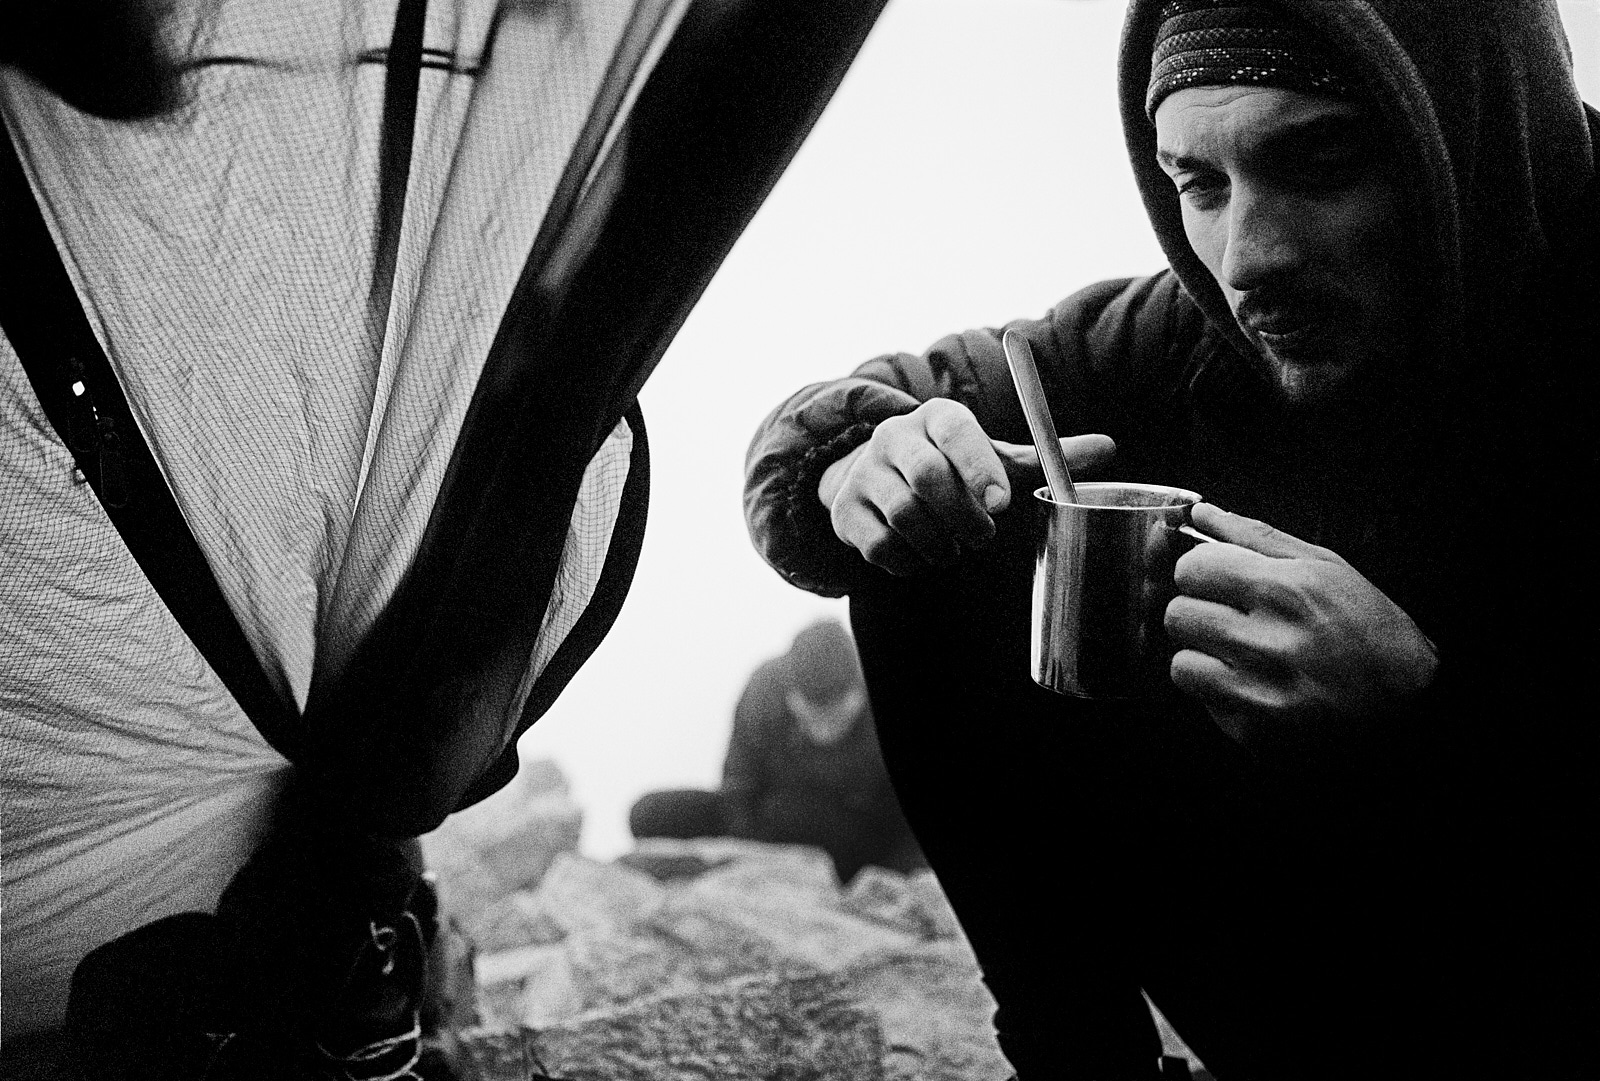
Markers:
(803, 766)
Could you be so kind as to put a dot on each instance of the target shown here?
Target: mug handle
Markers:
(1194, 534)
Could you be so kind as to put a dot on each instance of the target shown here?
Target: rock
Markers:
(884, 897)
(761, 1027)
(758, 968)
(756, 867)
(513, 921)
(503, 844)
(520, 859)
(466, 887)
(714, 947)
(934, 1010)
(580, 894)
(530, 986)
(912, 903)
(493, 1054)
(933, 907)
(519, 832)
(450, 995)
(793, 929)
(824, 1037)
(608, 969)
(540, 777)
(500, 1005)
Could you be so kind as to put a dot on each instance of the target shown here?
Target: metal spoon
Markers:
(1025, 373)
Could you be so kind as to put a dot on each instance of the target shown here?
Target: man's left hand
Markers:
(1273, 631)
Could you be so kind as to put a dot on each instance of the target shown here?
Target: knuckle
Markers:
(1298, 573)
(888, 432)
(902, 511)
(846, 525)
(1304, 586)
(926, 470)
(946, 416)
(876, 549)
(1273, 653)
(1294, 654)
(945, 407)
(882, 551)
(1317, 576)
(1284, 590)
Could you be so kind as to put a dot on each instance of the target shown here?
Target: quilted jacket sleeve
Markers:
(1099, 351)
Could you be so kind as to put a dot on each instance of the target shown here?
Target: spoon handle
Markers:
(1025, 373)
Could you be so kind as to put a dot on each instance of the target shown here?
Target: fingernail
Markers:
(993, 496)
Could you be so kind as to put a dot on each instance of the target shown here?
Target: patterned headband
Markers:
(1228, 42)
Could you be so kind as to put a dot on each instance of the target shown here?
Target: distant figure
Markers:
(803, 766)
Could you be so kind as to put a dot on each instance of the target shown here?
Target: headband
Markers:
(1232, 42)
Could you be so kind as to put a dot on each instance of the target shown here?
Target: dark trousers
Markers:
(851, 839)
(1091, 850)
(681, 813)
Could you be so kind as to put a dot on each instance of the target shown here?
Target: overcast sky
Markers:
(969, 171)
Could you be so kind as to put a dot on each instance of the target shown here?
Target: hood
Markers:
(1480, 94)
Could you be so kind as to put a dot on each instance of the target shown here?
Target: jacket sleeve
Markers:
(1098, 351)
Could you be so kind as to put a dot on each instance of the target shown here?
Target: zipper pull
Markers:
(81, 434)
(113, 478)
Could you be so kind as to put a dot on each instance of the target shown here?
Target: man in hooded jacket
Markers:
(1358, 842)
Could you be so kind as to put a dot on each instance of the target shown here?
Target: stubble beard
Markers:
(1367, 377)
(1348, 359)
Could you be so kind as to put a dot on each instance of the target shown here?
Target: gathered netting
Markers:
(302, 402)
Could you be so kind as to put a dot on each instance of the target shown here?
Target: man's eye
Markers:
(1200, 187)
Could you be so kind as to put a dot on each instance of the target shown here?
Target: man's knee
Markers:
(680, 812)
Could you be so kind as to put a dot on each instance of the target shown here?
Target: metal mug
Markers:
(1101, 583)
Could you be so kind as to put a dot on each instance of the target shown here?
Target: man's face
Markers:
(828, 721)
(1292, 202)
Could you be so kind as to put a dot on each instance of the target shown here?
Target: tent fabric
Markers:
(226, 257)
(418, 712)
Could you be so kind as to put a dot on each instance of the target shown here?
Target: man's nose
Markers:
(1265, 241)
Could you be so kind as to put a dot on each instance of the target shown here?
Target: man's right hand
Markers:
(925, 486)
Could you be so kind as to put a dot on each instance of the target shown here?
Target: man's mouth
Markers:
(1294, 338)
(1299, 336)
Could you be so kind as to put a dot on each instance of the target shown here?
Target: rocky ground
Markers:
(693, 960)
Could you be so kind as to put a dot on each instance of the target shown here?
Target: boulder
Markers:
(581, 894)
(759, 1027)
(792, 930)
(758, 967)
(911, 903)
(935, 1013)
(513, 921)
(504, 844)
